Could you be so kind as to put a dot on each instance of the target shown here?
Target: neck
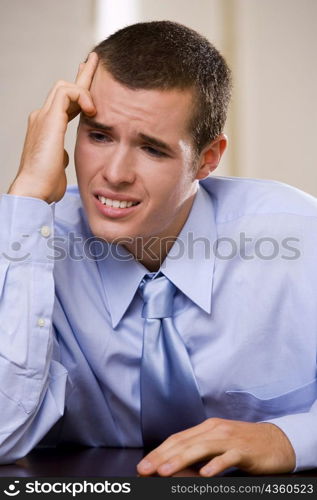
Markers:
(152, 251)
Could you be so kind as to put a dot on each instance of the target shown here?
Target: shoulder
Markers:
(235, 197)
(70, 214)
(270, 221)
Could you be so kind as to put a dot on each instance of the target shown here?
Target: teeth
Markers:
(116, 203)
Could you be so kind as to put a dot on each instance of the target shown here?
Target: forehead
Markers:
(163, 111)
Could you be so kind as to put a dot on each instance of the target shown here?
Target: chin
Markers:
(111, 235)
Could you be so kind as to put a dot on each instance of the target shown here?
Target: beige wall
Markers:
(275, 108)
(270, 45)
(41, 41)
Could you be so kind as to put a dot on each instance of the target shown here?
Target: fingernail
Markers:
(206, 471)
(145, 465)
(167, 468)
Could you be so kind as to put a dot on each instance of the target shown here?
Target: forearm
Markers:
(29, 381)
(301, 430)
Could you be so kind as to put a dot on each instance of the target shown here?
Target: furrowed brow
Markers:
(90, 122)
(153, 141)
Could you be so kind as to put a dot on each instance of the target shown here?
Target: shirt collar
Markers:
(121, 275)
(189, 264)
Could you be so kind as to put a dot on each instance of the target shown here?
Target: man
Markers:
(225, 371)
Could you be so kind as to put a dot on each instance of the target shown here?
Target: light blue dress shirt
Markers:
(246, 306)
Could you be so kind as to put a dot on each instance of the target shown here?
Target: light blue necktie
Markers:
(170, 400)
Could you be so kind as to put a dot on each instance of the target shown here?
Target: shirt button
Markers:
(45, 231)
(41, 322)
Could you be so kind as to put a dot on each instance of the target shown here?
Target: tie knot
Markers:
(158, 297)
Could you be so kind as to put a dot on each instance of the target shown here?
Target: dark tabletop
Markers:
(92, 462)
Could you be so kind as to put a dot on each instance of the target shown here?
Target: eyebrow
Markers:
(94, 124)
(152, 141)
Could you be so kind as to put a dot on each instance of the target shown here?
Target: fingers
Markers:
(230, 458)
(171, 459)
(80, 70)
(67, 102)
(257, 448)
(179, 457)
(183, 457)
(225, 443)
(63, 88)
(180, 439)
(41, 173)
(86, 71)
(83, 80)
(72, 99)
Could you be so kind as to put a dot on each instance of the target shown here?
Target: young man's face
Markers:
(135, 151)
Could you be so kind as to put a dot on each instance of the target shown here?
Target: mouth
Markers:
(115, 208)
(108, 202)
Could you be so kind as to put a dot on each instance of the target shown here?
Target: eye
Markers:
(154, 152)
(99, 137)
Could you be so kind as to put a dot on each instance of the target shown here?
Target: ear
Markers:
(210, 156)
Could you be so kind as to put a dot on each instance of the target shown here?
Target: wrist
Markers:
(29, 188)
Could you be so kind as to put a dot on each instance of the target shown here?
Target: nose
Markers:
(118, 168)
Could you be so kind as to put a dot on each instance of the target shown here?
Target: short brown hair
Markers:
(166, 55)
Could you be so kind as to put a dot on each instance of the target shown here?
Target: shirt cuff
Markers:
(26, 229)
(301, 430)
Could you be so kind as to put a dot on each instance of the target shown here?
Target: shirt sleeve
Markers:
(301, 431)
(32, 385)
